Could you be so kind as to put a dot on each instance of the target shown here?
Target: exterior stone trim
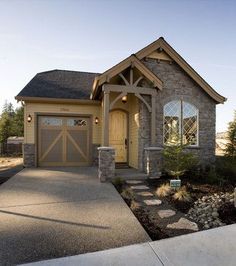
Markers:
(153, 161)
(106, 163)
(95, 154)
(29, 155)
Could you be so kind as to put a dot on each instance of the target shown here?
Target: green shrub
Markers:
(231, 136)
(226, 168)
(177, 160)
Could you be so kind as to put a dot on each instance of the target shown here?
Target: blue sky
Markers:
(94, 35)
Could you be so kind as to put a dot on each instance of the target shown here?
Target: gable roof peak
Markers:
(161, 42)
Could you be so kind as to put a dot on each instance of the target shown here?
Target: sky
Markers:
(92, 36)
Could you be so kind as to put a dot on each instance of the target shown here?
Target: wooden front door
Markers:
(63, 141)
(118, 135)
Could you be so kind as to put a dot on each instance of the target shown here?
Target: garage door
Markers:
(63, 141)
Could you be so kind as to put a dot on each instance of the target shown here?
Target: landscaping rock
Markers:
(166, 213)
(152, 202)
(206, 209)
(184, 223)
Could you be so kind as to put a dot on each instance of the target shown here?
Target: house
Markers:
(152, 98)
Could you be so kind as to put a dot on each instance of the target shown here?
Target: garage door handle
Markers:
(126, 142)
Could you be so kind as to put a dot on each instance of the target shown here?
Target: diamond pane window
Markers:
(190, 128)
(76, 122)
(180, 123)
(172, 118)
(51, 121)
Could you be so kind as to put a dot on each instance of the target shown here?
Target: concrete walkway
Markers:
(52, 213)
(215, 247)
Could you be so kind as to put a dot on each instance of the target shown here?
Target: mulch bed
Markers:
(227, 213)
(152, 222)
(151, 228)
(196, 189)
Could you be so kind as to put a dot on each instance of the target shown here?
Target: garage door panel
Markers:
(73, 155)
(55, 154)
(81, 138)
(63, 141)
(48, 137)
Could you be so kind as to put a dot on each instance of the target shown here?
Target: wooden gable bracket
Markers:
(144, 101)
(117, 98)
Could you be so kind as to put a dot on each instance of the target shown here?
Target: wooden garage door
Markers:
(63, 141)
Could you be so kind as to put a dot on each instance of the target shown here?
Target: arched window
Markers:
(180, 123)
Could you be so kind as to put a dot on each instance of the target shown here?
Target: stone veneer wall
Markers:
(144, 131)
(106, 163)
(95, 154)
(178, 85)
(29, 155)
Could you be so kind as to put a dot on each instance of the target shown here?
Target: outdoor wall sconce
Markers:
(96, 120)
(29, 118)
(124, 99)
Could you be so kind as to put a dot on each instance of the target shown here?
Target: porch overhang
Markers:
(133, 62)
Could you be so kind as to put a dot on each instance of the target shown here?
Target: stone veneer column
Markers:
(106, 163)
(152, 161)
(29, 155)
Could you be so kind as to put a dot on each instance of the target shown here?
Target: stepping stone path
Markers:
(134, 182)
(183, 223)
(145, 194)
(159, 210)
(166, 213)
(141, 187)
(152, 202)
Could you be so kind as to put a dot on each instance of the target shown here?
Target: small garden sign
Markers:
(175, 183)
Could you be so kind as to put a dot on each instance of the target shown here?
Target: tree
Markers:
(18, 122)
(230, 150)
(177, 160)
(11, 122)
(5, 127)
(6, 122)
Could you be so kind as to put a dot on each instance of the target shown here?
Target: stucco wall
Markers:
(178, 85)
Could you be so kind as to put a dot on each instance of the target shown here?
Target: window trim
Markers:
(181, 123)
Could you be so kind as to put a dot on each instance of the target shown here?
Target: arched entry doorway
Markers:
(118, 125)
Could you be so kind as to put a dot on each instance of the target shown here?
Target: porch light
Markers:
(29, 118)
(124, 99)
(96, 120)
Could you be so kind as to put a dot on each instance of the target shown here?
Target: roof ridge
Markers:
(65, 70)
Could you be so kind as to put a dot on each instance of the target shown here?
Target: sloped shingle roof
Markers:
(60, 84)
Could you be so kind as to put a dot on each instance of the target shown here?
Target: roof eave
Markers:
(57, 100)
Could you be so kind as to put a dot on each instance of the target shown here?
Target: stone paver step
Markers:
(152, 202)
(140, 187)
(134, 182)
(145, 194)
(166, 213)
(183, 223)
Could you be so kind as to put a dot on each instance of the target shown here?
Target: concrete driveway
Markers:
(50, 213)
